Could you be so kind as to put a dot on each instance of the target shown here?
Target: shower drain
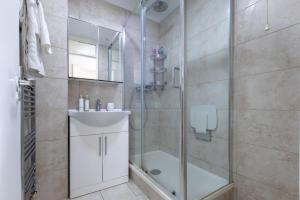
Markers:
(155, 171)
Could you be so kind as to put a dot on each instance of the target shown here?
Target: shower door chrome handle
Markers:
(105, 140)
(174, 85)
(100, 146)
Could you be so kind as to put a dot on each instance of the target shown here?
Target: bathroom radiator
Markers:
(28, 139)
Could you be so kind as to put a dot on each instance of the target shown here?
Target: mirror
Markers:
(94, 52)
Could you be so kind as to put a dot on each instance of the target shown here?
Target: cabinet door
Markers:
(85, 161)
(115, 156)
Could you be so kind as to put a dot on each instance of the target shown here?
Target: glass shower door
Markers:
(161, 112)
(207, 82)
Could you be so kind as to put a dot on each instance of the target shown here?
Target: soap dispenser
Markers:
(81, 104)
(86, 103)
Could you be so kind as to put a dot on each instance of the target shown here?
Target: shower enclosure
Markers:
(177, 86)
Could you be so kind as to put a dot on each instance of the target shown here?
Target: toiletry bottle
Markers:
(98, 105)
(86, 103)
(81, 104)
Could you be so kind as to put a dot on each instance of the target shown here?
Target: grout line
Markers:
(266, 35)
(266, 72)
(246, 7)
(101, 195)
(264, 147)
(263, 182)
(263, 110)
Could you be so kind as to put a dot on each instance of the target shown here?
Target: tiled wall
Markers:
(51, 109)
(267, 99)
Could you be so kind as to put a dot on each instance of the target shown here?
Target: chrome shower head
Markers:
(160, 6)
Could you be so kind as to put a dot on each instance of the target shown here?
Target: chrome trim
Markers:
(174, 77)
(231, 82)
(28, 138)
(100, 146)
(182, 145)
(123, 65)
(142, 52)
(105, 138)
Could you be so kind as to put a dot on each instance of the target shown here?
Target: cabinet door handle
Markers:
(100, 146)
(105, 145)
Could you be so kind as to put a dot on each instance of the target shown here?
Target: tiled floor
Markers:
(127, 191)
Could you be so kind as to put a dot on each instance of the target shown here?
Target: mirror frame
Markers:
(119, 29)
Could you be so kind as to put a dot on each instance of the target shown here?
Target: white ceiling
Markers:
(132, 5)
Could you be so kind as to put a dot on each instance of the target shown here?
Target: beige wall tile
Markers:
(208, 42)
(282, 18)
(272, 129)
(105, 92)
(56, 7)
(214, 152)
(249, 189)
(52, 185)
(74, 8)
(57, 27)
(51, 109)
(169, 138)
(151, 138)
(52, 155)
(214, 93)
(56, 64)
(73, 94)
(52, 124)
(200, 17)
(209, 68)
(212, 168)
(277, 51)
(51, 93)
(242, 4)
(276, 168)
(250, 23)
(169, 118)
(102, 13)
(276, 90)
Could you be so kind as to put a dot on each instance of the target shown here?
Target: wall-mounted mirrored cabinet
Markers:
(95, 52)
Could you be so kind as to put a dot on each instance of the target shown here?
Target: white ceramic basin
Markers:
(99, 118)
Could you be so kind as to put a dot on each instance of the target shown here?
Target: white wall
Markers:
(10, 148)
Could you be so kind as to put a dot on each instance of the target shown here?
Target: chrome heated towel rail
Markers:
(28, 139)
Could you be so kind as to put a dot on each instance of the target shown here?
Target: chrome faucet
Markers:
(98, 105)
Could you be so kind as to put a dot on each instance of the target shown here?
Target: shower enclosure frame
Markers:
(182, 66)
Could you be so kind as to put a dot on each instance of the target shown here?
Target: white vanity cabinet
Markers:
(98, 155)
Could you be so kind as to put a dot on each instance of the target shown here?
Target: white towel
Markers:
(44, 33)
(37, 38)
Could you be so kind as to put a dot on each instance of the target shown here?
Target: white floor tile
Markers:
(134, 188)
(127, 191)
(120, 192)
(92, 196)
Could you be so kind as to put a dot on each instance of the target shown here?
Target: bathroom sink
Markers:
(99, 118)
